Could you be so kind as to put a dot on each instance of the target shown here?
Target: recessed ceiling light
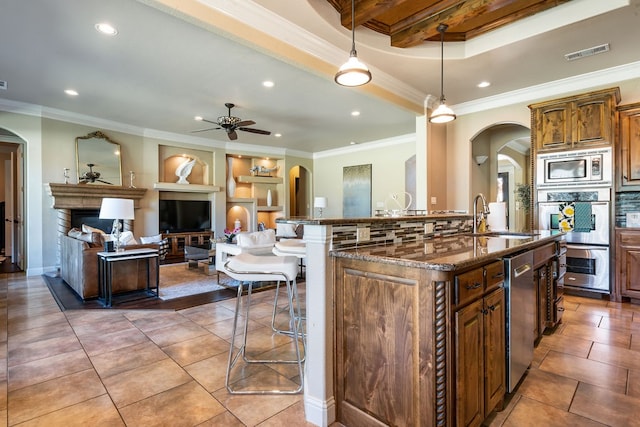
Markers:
(71, 92)
(352, 143)
(106, 29)
(355, 113)
(484, 84)
(268, 83)
(198, 118)
(277, 135)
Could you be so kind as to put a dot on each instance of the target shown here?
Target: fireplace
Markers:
(84, 200)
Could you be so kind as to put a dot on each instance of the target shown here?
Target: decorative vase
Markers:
(231, 182)
(269, 200)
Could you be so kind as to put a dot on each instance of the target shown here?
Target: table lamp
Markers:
(116, 209)
(320, 203)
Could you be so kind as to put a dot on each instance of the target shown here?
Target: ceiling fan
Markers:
(231, 123)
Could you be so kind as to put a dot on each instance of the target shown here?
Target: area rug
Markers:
(177, 280)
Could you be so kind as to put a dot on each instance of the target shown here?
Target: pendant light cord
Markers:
(442, 28)
(353, 28)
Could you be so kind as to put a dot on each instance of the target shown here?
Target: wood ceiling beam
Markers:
(366, 10)
(452, 16)
(509, 19)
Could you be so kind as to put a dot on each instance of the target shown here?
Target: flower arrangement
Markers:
(231, 234)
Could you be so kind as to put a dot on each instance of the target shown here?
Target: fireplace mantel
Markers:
(89, 196)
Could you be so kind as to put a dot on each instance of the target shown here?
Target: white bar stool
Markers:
(246, 267)
(298, 249)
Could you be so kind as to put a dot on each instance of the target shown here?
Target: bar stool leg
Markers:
(295, 334)
(298, 315)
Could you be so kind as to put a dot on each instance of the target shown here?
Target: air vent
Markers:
(3, 85)
(587, 52)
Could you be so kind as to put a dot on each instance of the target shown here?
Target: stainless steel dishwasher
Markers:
(521, 305)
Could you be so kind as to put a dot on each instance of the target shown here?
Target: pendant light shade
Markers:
(442, 114)
(353, 72)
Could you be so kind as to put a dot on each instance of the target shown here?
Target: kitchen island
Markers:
(420, 329)
(413, 263)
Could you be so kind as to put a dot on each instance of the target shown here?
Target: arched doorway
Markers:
(11, 202)
(501, 165)
(299, 191)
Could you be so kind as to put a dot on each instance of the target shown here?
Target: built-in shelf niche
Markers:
(252, 190)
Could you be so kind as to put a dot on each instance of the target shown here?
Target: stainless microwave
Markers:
(575, 168)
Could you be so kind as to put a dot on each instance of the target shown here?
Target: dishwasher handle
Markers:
(587, 248)
(520, 270)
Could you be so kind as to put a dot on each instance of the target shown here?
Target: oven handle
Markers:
(588, 248)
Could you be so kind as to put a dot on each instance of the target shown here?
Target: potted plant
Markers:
(523, 196)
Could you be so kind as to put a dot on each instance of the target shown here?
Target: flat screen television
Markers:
(181, 216)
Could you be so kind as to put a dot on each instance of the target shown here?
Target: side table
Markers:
(106, 260)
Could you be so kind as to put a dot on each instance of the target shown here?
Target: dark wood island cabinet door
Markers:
(494, 349)
(469, 332)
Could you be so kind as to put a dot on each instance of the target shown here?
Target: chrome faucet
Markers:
(485, 211)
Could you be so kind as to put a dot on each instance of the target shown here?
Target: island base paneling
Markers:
(391, 366)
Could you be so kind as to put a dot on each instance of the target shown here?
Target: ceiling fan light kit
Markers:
(231, 123)
(442, 114)
(353, 72)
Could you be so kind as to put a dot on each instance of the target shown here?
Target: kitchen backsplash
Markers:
(627, 201)
(344, 235)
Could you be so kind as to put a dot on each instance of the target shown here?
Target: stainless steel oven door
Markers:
(548, 213)
(587, 268)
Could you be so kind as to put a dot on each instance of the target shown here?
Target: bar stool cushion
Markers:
(295, 247)
(256, 239)
(254, 268)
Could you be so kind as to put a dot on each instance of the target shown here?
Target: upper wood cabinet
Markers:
(581, 121)
(628, 155)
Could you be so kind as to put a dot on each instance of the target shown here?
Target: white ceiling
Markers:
(166, 66)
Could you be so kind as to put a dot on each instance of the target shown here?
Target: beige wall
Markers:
(387, 173)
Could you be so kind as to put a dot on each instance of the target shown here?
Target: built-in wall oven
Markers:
(587, 257)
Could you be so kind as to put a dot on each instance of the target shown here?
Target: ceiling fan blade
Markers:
(204, 130)
(259, 131)
(232, 135)
(209, 121)
(245, 123)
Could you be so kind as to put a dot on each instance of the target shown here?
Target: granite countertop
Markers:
(449, 253)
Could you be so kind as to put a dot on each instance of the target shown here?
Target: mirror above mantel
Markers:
(98, 160)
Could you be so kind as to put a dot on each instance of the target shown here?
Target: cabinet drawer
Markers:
(469, 286)
(495, 274)
(543, 254)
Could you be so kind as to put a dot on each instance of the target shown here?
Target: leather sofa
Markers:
(79, 266)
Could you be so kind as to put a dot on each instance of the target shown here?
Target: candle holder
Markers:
(132, 176)
(66, 175)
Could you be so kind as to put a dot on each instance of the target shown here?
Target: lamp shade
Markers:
(353, 72)
(116, 208)
(442, 114)
(320, 202)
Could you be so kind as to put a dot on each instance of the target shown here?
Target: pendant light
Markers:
(353, 72)
(442, 114)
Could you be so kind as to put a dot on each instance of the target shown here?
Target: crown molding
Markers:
(552, 89)
(365, 146)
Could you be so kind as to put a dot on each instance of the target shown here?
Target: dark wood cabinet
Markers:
(628, 155)
(582, 121)
(541, 286)
(480, 342)
(627, 263)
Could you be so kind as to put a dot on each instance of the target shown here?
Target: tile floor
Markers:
(152, 367)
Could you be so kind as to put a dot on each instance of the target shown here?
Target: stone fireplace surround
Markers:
(69, 197)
